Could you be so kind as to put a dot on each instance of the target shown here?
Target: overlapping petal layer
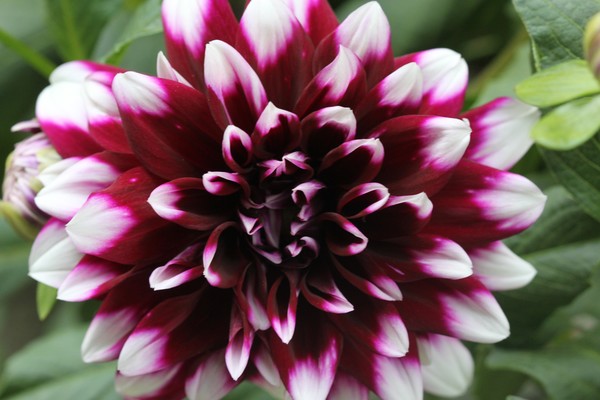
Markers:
(285, 203)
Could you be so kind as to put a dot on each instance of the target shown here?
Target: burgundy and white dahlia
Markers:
(285, 203)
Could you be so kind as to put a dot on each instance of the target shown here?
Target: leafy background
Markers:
(554, 350)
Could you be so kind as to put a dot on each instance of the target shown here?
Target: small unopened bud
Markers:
(21, 184)
(591, 44)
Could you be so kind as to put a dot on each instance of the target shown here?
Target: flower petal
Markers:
(211, 380)
(189, 25)
(326, 129)
(320, 290)
(168, 124)
(345, 387)
(237, 149)
(308, 363)
(277, 132)
(446, 364)
(186, 202)
(481, 204)
(275, 44)
(183, 268)
(420, 151)
(235, 93)
(399, 93)
(501, 132)
(164, 384)
(352, 163)
(241, 337)
(445, 77)
(316, 17)
(366, 31)
(281, 306)
(342, 237)
(53, 254)
(340, 83)
(61, 112)
(64, 196)
(224, 263)
(90, 278)
(462, 308)
(120, 214)
(498, 268)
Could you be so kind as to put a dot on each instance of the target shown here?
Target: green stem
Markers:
(37, 61)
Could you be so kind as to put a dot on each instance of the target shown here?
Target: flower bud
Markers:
(21, 184)
(591, 44)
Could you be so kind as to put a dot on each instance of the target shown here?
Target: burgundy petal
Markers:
(327, 128)
(366, 32)
(482, 204)
(308, 363)
(189, 25)
(91, 278)
(168, 124)
(224, 262)
(340, 83)
(186, 202)
(320, 289)
(277, 132)
(235, 93)
(121, 214)
(275, 44)
(282, 304)
(363, 200)
(251, 294)
(316, 17)
(421, 152)
(237, 149)
(342, 237)
(353, 162)
(211, 380)
(241, 337)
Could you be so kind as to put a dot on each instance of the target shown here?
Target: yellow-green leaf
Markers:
(46, 298)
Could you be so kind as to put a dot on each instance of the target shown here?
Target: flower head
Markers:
(24, 179)
(286, 203)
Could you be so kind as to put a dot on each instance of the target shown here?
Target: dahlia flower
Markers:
(285, 203)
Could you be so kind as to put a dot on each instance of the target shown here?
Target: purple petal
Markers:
(241, 337)
(326, 129)
(320, 289)
(354, 162)
(342, 237)
(237, 149)
(281, 306)
(277, 132)
(224, 262)
(363, 200)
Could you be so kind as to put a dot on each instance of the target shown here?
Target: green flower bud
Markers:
(591, 44)
(21, 184)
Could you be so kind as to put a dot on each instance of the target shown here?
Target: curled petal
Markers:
(320, 289)
(237, 148)
(183, 268)
(498, 268)
(342, 237)
(277, 132)
(211, 380)
(447, 365)
(163, 384)
(363, 200)
(340, 83)
(366, 32)
(308, 197)
(186, 202)
(225, 183)
(281, 306)
(326, 129)
(224, 263)
(78, 71)
(189, 25)
(273, 41)
(398, 216)
(236, 94)
(501, 132)
(251, 294)
(353, 162)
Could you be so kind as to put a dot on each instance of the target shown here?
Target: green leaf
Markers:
(77, 24)
(578, 170)
(556, 28)
(563, 246)
(558, 84)
(566, 372)
(569, 125)
(13, 253)
(45, 299)
(248, 391)
(146, 21)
